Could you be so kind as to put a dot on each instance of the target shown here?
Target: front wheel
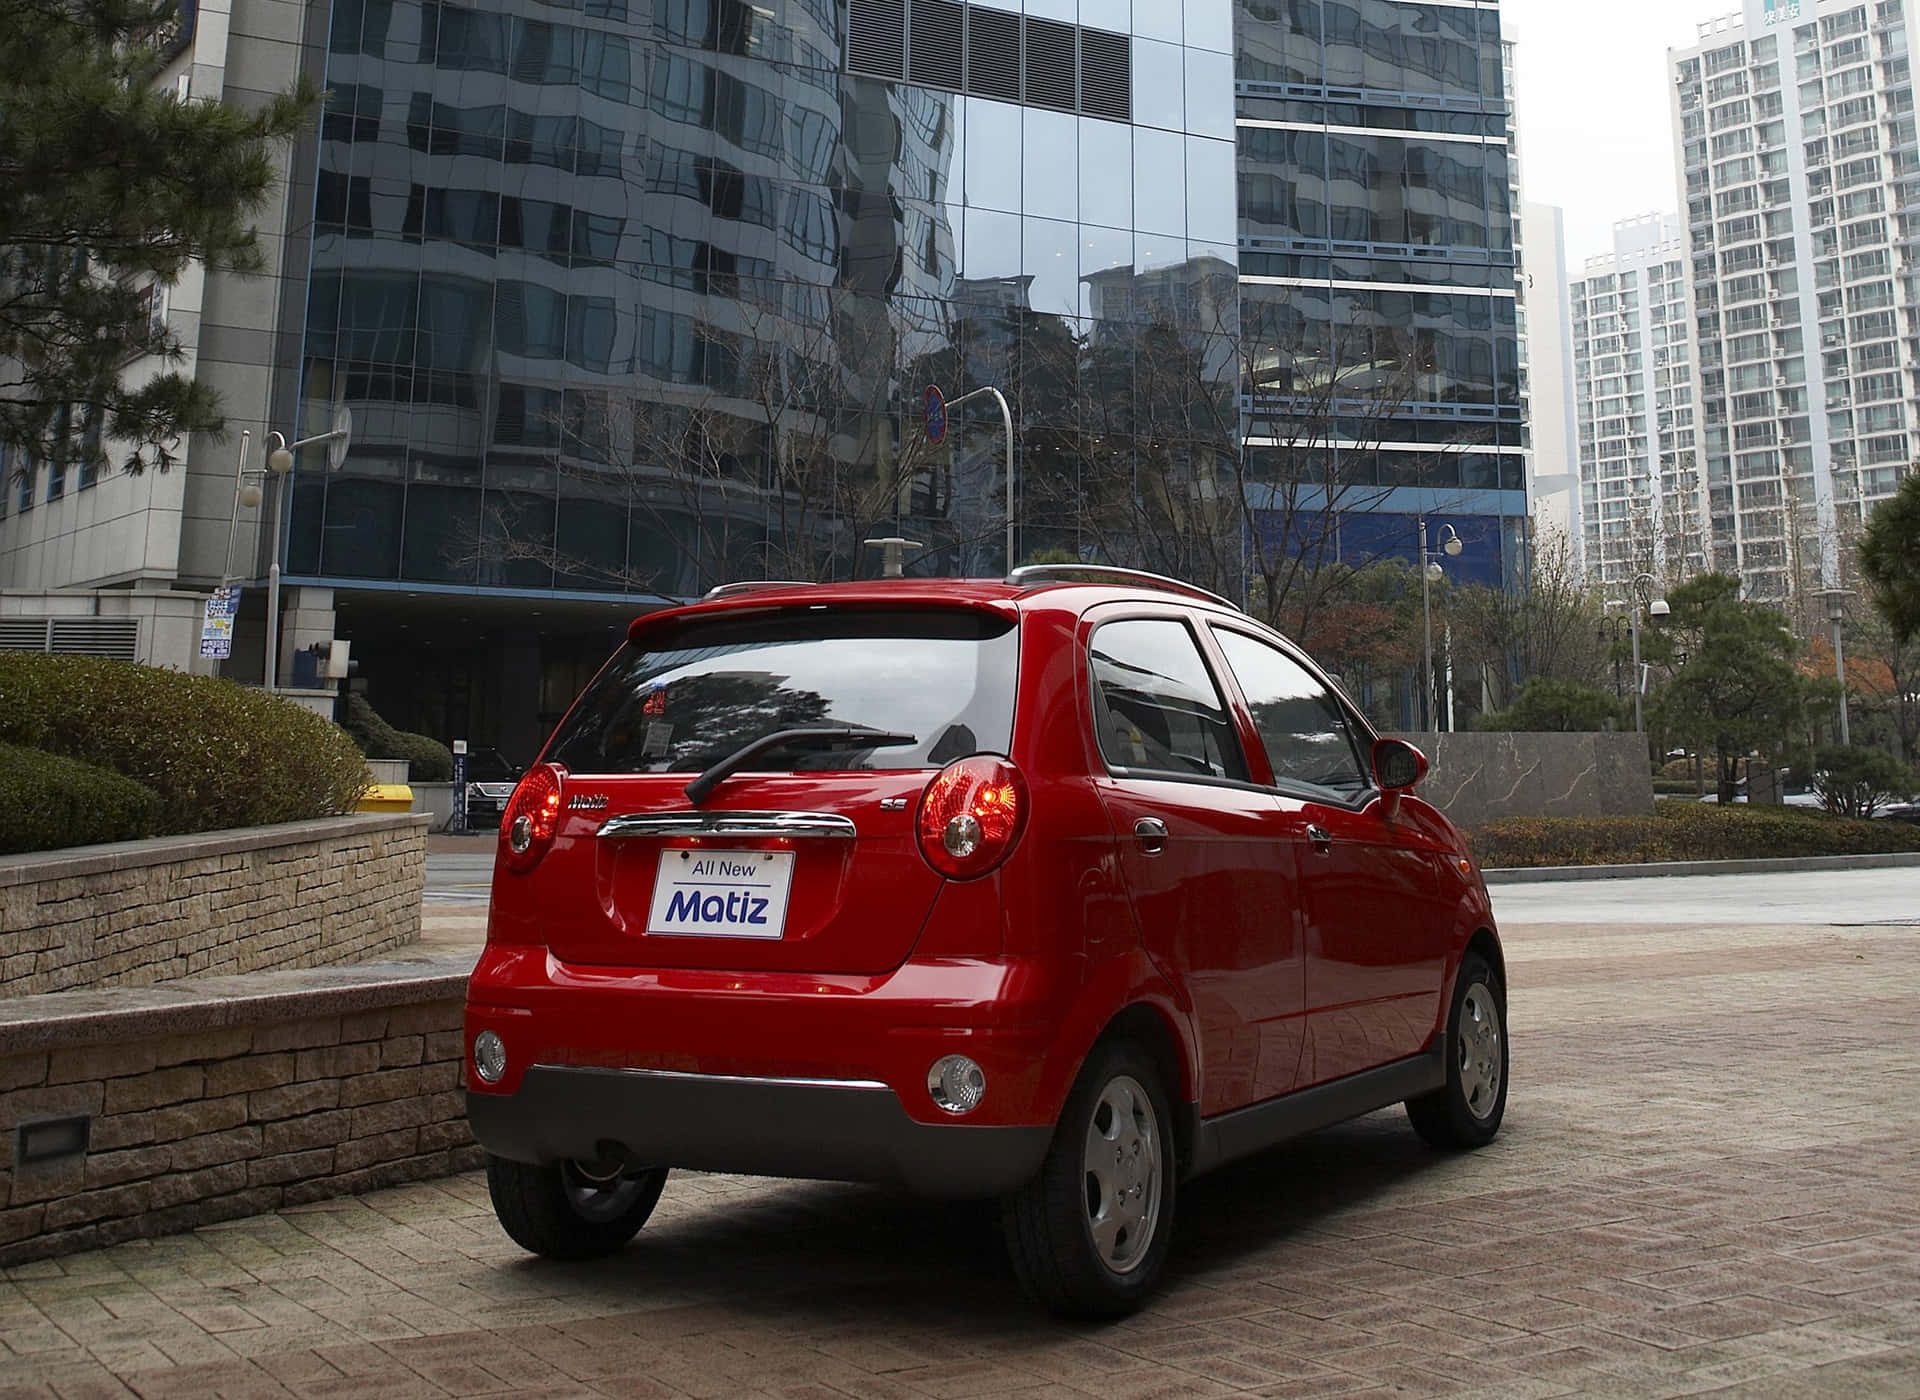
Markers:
(1088, 1235)
(572, 1210)
(1466, 1111)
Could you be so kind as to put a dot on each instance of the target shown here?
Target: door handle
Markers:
(1322, 838)
(1151, 833)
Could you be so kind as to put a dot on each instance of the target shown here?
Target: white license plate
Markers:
(721, 894)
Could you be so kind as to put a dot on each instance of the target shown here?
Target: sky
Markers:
(1595, 134)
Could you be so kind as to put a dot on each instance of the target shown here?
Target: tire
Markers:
(1088, 1238)
(1466, 1111)
(571, 1210)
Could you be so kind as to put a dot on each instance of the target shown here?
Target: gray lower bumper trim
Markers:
(831, 1130)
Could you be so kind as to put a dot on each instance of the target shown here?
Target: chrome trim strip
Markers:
(692, 823)
(863, 1085)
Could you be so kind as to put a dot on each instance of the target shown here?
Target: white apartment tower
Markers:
(1798, 168)
(1641, 505)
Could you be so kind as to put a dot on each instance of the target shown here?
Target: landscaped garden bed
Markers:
(1684, 831)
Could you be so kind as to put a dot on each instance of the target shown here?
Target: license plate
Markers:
(721, 894)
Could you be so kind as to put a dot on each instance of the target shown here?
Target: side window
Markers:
(1303, 728)
(1156, 705)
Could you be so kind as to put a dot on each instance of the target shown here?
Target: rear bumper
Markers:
(836, 1130)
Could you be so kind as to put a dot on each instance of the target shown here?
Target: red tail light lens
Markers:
(533, 813)
(971, 815)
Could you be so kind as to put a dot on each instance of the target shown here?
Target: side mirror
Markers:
(1397, 765)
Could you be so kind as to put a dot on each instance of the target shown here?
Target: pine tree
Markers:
(110, 186)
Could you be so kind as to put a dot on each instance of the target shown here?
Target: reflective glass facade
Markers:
(631, 297)
(638, 295)
(1378, 258)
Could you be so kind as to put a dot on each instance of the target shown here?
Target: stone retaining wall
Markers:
(300, 894)
(223, 1097)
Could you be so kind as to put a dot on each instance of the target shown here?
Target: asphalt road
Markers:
(1827, 898)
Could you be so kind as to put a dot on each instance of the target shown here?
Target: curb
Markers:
(1767, 865)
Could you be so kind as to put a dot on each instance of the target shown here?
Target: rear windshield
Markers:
(694, 695)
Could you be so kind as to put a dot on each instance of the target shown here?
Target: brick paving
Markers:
(1708, 1182)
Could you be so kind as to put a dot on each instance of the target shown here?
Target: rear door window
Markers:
(1157, 707)
(691, 696)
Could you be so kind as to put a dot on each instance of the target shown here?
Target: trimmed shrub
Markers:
(1857, 782)
(47, 801)
(1549, 705)
(1684, 831)
(428, 760)
(216, 754)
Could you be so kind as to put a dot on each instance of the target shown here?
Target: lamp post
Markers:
(1006, 417)
(279, 463)
(1836, 614)
(1640, 590)
(1450, 544)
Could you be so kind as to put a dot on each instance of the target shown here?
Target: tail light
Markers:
(526, 831)
(971, 815)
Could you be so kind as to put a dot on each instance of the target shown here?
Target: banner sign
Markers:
(216, 628)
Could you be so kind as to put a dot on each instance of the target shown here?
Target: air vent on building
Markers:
(877, 38)
(993, 54)
(1106, 75)
(117, 638)
(1050, 63)
(934, 43)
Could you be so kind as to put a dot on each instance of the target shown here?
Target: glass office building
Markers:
(632, 297)
(1377, 262)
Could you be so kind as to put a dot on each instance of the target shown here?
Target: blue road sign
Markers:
(936, 406)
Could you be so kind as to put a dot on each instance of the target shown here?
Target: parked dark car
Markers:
(1053, 890)
(490, 780)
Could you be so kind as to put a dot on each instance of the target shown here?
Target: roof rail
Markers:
(753, 586)
(1029, 574)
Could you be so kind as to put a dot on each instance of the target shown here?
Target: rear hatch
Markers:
(803, 859)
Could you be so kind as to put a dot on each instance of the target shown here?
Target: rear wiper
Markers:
(840, 738)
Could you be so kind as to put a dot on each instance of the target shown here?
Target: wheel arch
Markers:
(1487, 944)
(1146, 1025)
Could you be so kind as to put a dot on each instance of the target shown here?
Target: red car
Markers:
(1060, 890)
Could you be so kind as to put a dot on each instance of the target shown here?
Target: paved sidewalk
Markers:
(1708, 1180)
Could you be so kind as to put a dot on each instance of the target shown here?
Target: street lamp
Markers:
(1641, 590)
(279, 463)
(1006, 417)
(1430, 572)
(1836, 614)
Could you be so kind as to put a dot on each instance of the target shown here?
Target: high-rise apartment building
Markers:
(1796, 129)
(1546, 309)
(1641, 507)
(628, 297)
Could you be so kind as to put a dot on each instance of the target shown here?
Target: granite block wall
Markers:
(301, 894)
(1479, 778)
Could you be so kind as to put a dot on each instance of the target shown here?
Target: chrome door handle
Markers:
(1322, 838)
(1151, 833)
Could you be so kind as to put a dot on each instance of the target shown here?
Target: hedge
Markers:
(428, 760)
(47, 802)
(1684, 831)
(216, 754)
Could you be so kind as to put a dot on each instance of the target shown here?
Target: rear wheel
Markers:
(1466, 1110)
(1089, 1234)
(572, 1210)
